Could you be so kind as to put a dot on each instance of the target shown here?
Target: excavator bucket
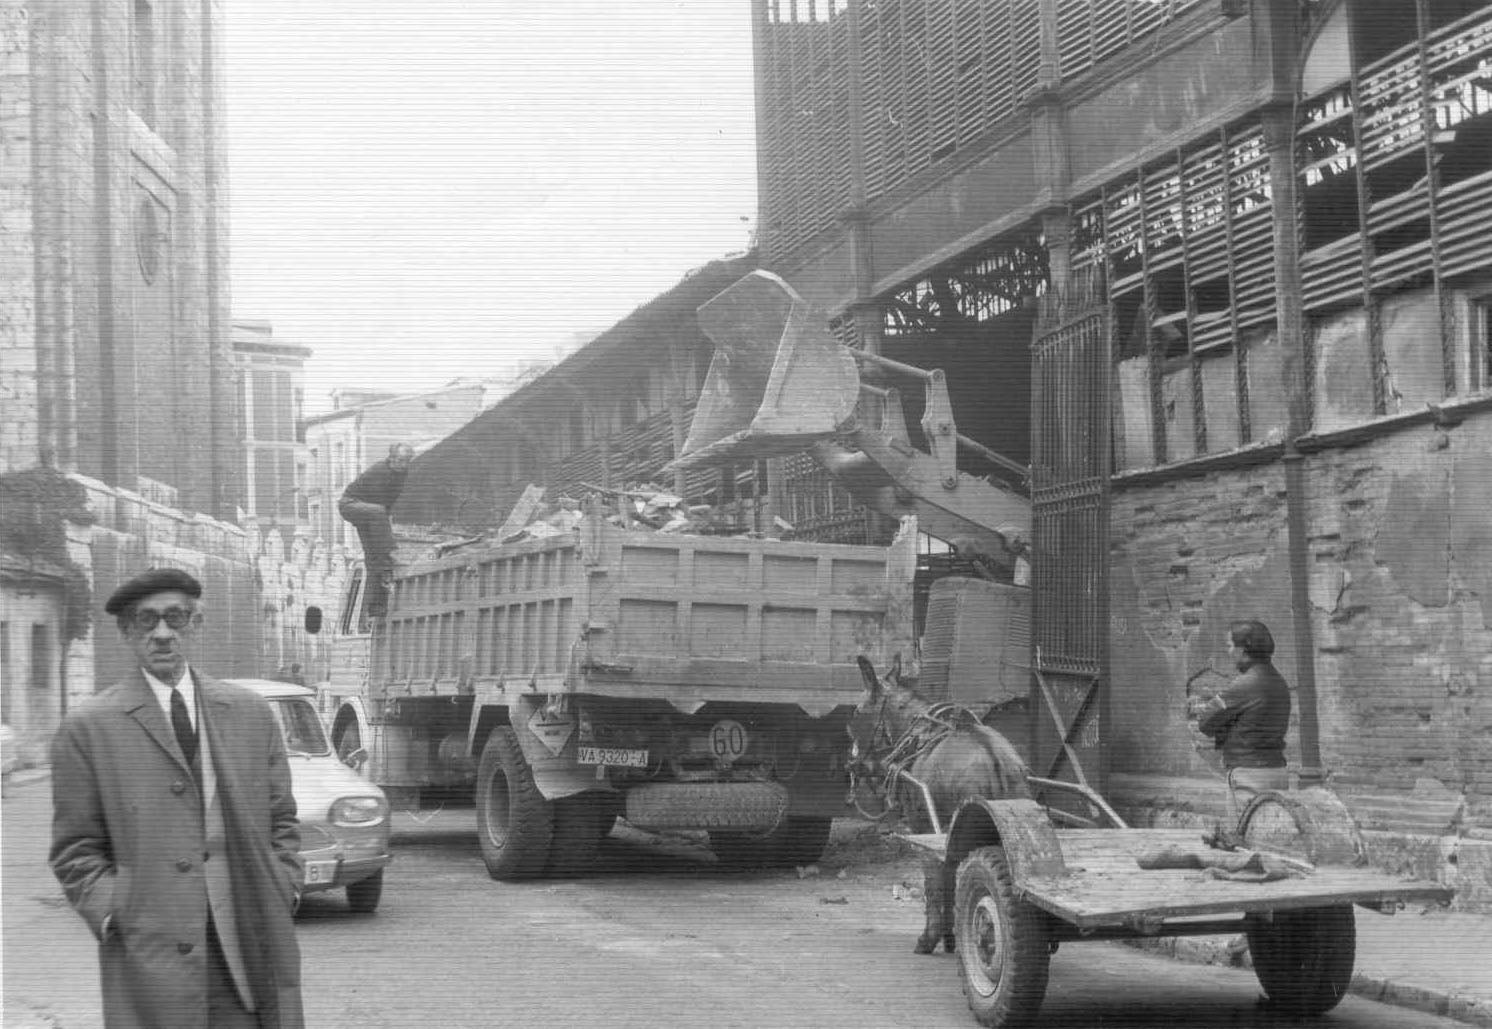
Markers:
(778, 381)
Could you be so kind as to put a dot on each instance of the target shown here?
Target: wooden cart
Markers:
(1024, 885)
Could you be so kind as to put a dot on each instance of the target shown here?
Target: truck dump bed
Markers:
(628, 613)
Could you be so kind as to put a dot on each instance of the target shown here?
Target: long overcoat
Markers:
(128, 838)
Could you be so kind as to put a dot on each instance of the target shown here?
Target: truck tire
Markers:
(363, 896)
(1304, 958)
(795, 841)
(514, 821)
(577, 833)
(1003, 943)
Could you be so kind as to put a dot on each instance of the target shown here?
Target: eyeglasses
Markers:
(146, 620)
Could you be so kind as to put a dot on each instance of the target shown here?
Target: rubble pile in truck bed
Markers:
(645, 508)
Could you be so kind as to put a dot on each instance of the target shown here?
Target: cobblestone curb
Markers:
(1458, 1006)
(1220, 950)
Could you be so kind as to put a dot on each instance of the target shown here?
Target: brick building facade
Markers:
(1277, 213)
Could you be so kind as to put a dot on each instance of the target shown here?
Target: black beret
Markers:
(154, 580)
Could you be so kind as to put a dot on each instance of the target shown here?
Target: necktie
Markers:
(186, 736)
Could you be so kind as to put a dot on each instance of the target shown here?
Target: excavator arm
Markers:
(780, 384)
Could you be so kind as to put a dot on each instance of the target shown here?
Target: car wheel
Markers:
(514, 821)
(363, 896)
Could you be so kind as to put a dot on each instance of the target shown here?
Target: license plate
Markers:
(613, 756)
(320, 872)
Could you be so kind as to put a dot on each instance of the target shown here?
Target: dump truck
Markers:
(683, 682)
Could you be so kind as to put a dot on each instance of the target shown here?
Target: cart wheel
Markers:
(1004, 944)
(1304, 958)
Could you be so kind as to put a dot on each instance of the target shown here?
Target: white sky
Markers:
(424, 190)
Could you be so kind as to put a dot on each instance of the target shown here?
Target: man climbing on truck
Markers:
(366, 503)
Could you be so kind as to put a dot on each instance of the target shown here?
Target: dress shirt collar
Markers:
(162, 691)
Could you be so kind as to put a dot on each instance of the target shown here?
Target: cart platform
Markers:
(1104, 885)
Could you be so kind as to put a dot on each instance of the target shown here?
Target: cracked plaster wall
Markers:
(1401, 542)
(1400, 557)
(1409, 325)
(1187, 558)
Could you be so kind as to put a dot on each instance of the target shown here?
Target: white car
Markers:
(344, 818)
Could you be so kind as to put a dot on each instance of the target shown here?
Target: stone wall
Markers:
(256, 588)
(113, 273)
(18, 414)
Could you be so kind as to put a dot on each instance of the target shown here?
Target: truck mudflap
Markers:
(547, 735)
(745, 806)
(558, 779)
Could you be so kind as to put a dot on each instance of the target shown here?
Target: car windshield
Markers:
(301, 726)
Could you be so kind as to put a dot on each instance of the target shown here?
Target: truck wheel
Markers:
(1304, 958)
(577, 833)
(513, 818)
(363, 896)
(1003, 943)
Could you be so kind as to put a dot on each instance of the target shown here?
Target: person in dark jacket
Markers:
(366, 503)
(174, 831)
(1248, 718)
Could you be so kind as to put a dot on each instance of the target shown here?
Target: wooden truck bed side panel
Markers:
(622, 612)
(703, 600)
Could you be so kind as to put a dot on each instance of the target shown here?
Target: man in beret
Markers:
(366, 503)
(174, 832)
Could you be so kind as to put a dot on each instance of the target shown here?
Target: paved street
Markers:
(658, 938)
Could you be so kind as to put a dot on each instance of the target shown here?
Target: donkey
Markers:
(943, 746)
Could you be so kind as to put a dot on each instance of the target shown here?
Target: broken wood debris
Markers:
(647, 507)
